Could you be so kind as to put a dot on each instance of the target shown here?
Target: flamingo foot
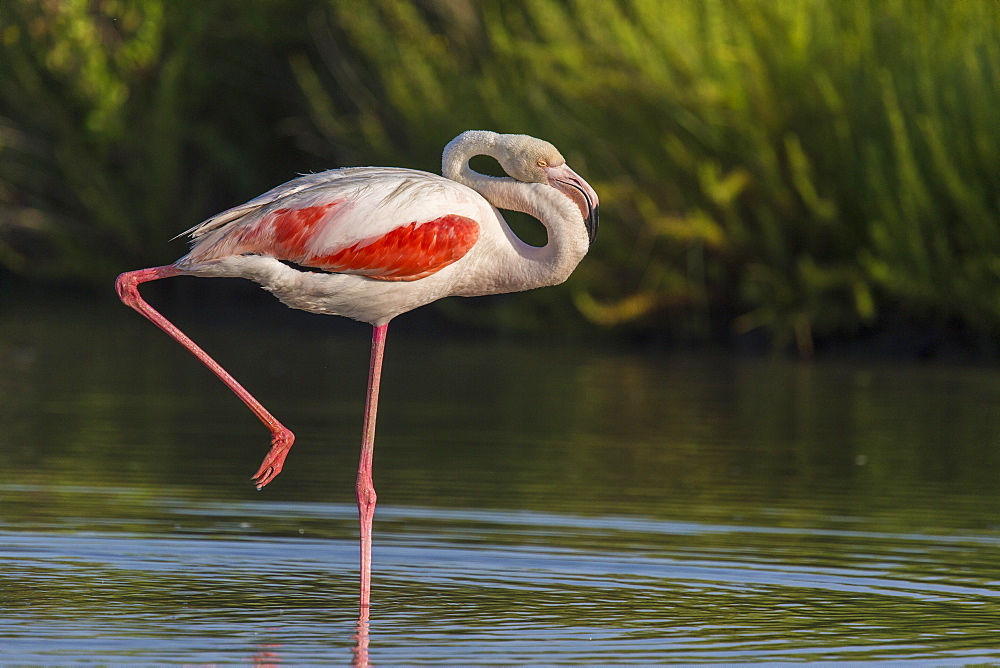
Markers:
(281, 443)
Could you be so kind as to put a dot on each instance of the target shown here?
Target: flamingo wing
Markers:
(389, 224)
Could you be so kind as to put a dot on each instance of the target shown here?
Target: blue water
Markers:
(536, 504)
(276, 582)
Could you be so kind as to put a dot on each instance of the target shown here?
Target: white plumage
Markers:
(370, 243)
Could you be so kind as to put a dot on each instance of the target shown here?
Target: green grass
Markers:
(805, 167)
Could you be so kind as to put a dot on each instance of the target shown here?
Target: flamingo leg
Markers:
(127, 286)
(365, 487)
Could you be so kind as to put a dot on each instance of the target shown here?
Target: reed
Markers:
(121, 123)
(800, 168)
(795, 166)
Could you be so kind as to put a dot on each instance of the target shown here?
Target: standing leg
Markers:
(281, 438)
(365, 487)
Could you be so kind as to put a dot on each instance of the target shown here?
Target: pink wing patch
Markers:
(406, 253)
(292, 228)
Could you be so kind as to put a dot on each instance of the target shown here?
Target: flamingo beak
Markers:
(571, 184)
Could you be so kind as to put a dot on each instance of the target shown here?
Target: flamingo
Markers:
(370, 243)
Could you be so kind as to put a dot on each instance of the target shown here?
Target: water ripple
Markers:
(213, 582)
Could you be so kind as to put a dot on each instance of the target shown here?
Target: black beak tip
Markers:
(591, 222)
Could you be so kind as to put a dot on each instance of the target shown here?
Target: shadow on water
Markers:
(537, 503)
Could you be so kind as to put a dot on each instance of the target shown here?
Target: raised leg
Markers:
(365, 487)
(281, 438)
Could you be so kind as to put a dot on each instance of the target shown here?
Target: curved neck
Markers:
(464, 147)
(567, 236)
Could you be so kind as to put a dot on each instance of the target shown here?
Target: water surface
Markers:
(538, 503)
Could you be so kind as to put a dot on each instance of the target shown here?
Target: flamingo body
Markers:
(350, 232)
(323, 215)
(357, 224)
(371, 243)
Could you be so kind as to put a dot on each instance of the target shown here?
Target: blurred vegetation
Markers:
(805, 169)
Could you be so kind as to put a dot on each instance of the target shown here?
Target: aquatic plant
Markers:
(119, 122)
(793, 166)
(801, 169)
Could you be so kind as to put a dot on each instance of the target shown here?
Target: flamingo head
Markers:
(525, 159)
(537, 161)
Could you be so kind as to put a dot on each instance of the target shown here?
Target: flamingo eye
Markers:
(543, 163)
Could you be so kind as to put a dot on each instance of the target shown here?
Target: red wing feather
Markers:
(293, 228)
(406, 253)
